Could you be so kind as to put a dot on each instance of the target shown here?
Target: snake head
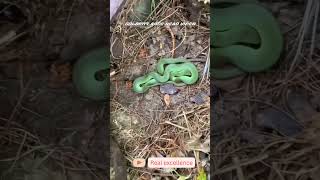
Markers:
(142, 84)
(89, 74)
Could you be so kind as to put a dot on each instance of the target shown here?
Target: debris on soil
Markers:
(167, 99)
(300, 106)
(118, 163)
(199, 98)
(230, 84)
(269, 121)
(169, 89)
(48, 129)
(60, 75)
(166, 115)
(278, 121)
(84, 32)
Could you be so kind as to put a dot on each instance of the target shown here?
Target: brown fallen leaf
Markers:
(167, 99)
(129, 85)
(312, 130)
(145, 177)
(143, 53)
(60, 74)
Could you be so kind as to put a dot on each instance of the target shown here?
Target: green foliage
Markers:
(202, 175)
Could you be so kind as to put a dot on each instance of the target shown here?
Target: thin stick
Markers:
(19, 152)
(233, 167)
(239, 169)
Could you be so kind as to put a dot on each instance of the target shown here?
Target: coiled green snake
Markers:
(89, 74)
(245, 36)
(175, 71)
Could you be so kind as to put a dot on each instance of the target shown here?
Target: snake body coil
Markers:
(246, 36)
(169, 71)
(86, 74)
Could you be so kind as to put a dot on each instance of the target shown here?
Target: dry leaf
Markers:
(129, 84)
(60, 74)
(313, 129)
(143, 53)
(145, 177)
(167, 99)
(177, 153)
(195, 144)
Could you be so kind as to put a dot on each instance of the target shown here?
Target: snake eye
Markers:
(100, 75)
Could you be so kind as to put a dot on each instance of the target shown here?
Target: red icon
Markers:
(139, 162)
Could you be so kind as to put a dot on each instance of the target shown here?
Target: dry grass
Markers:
(16, 141)
(29, 145)
(174, 131)
(276, 157)
(134, 38)
(168, 136)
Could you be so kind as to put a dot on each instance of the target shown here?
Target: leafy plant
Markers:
(202, 175)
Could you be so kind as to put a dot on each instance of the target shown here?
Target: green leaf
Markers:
(202, 175)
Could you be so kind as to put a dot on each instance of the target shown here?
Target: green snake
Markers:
(177, 71)
(89, 77)
(142, 9)
(244, 34)
(245, 37)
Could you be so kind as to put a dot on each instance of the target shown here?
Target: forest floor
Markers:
(266, 125)
(48, 131)
(165, 121)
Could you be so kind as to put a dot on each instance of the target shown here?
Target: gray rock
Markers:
(278, 121)
(300, 106)
(168, 89)
(199, 98)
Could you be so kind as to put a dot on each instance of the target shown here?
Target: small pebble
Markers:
(198, 98)
(168, 89)
(279, 121)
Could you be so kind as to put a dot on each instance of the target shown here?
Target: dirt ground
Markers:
(166, 121)
(47, 130)
(265, 126)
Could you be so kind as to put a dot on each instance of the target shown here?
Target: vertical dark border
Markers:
(107, 103)
(212, 120)
(212, 96)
